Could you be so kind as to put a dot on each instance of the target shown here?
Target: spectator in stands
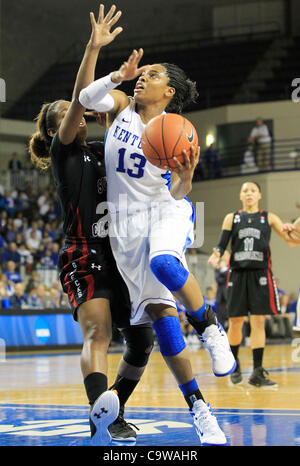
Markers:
(213, 164)
(55, 298)
(47, 239)
(3, 221)
(38, 254)
(41, 293)
(22, 202)
(199, 170)
(52, 213)
(12, 274)
(18, 220)
(10, 253)
(261, 138)
(33, 281)
(47, 228)
(18, 299)
(33, 243)
(47, 259)
(25, 255)
(9, 204)
(9, 286)
(3, 289)
(11, 232)
(14, 164)
(31, 297)
(33, 227)
(55, 253)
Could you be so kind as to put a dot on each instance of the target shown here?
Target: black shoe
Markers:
(258, 378)
(236, 376)
(120, 430)
(209, 319)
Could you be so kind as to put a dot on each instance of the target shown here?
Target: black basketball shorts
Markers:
(251, 292)
(89, 271)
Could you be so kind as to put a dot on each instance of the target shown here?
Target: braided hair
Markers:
(185, 89)
(40, 142)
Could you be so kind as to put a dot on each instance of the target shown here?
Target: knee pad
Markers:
(169, 335)
(139, 344)
(169, 271)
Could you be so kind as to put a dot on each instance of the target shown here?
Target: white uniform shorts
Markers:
(136, 239)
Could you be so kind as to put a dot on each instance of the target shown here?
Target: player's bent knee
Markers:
(168, 270)
(169, 335)
(139, 344)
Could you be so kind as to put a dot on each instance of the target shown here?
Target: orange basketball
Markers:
(165, 137)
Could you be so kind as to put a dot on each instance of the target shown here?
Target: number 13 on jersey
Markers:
(138, 167)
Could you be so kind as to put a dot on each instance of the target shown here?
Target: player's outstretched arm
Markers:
(101, 35)
(281, 229)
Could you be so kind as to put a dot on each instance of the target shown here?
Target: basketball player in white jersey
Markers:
(152, 224)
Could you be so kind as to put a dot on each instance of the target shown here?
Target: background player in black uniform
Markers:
(251, 286)
(88, 273)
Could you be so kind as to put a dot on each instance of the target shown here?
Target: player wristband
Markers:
(223, 241)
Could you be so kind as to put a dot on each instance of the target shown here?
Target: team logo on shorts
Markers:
(263, 281)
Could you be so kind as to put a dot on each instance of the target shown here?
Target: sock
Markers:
(95, 384)
(257, 357)
(199, 314)
(235, 350)
(124, 388)
(191, 392)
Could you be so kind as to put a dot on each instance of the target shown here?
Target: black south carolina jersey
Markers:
(250, 239)
(80, 179)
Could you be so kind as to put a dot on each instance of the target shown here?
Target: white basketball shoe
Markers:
(207, 426)
(103, 413)
(214, 339)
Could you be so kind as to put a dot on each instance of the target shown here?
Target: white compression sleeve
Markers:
(96, 95)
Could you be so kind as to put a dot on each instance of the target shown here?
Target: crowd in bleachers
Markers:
(30, 239)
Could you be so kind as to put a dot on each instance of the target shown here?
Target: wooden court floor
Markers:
(43, 402)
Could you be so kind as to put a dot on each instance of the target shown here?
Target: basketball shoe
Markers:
(214, 339)
(236, 376)
(207, 426)
(103, 413)
(120, 430)
(258, 378)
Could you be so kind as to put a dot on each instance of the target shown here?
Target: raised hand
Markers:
(129, 69)
(101, 29)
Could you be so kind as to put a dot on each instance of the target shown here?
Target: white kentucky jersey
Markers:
(129, 173)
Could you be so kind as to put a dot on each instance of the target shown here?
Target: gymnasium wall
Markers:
(284, 114)
(280, 191)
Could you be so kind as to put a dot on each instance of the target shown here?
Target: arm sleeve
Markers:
(96, 95)
(223, 241)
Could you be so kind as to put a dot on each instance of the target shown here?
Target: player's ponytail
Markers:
(40, 142)
(185, 89)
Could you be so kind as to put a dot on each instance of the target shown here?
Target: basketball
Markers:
(165, 137)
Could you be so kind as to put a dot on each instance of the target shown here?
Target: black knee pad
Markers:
(139, 344)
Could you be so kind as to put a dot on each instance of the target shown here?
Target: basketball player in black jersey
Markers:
(88, 273)
(250, 285)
